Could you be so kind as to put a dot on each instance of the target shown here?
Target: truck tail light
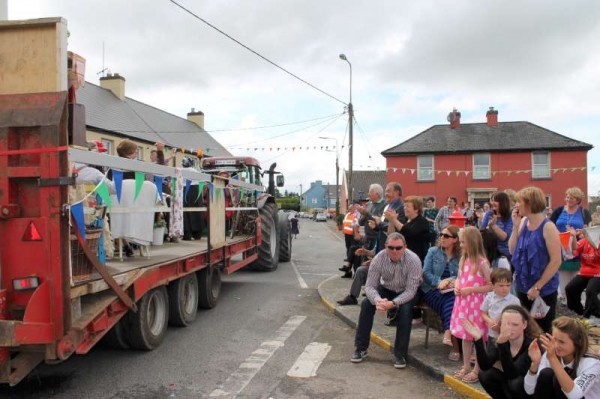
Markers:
(32, 233)
(26, 283)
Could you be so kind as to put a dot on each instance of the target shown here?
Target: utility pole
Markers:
(350, 134)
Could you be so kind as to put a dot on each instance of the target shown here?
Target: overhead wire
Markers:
(287, 133)
(291, 148)
(256, 53)
(368, 144)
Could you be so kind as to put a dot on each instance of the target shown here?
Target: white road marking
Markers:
(309, 361)
(238, 380)
(319, 274)
(298, 276)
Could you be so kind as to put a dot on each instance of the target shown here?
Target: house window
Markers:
(481, 166)
(140, 154)
(108, 144)
(425, 168)
(314, 200)
(540, 165)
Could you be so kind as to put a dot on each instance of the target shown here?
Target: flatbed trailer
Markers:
(48, 314)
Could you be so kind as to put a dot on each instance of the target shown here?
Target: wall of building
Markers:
(446, 185)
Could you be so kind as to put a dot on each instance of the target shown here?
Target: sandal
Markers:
(454, 356)
(447, 340)
(461, 372)
(470, 378)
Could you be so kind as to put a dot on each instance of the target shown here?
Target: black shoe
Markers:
(349, 300)
(128, 251)
(345, 269)
(390, 322)
(399, 362)
(347, 275)
(359, 356)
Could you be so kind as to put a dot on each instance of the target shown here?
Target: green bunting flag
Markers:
(200, 189)
(173, 186)
(104, 194)
(139, 182)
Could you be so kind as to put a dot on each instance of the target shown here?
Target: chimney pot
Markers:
(492, 117)
(115, 83)
(454, 119)
(197, 117)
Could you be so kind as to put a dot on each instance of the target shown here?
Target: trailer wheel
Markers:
(147, 326)
(209, 280)
(116, 337)
(285, 237)
(183, 300)
(268, 252)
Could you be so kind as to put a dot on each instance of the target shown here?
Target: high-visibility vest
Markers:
(348, 222)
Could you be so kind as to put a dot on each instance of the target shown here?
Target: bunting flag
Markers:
(139, 182)
(493, 172)
(173, 186)
(77, 212)
(118, 180)
(158, 181)
(186, 189)
(218, 193)
(241, 194)
(211, 190)
(200, 190)
(104, 193)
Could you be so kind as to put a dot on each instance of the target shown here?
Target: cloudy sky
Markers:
(412, 62)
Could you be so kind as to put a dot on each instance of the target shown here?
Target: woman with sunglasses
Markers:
(440, 270)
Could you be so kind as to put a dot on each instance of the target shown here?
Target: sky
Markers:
(412, 63)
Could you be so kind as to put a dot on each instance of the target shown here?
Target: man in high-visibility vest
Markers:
(350, 225)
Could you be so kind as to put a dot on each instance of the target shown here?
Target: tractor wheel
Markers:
(209, 281)
(183, 300)
(284, 231)
(268, 252)
(147, 326)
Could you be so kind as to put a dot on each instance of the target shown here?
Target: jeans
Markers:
(360, 279)
(498, 386)
(403, 326)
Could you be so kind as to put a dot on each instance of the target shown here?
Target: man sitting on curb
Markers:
(393, 280)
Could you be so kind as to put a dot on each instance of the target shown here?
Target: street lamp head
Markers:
(343, 57)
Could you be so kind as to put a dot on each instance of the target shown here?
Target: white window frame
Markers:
(535, 175)
(481, 172)
(108, 144)
(425, 173)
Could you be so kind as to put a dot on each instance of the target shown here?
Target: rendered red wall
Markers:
(453, 185)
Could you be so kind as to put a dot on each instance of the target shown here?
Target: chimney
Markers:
(454, 119)
(114, 83)
(492, 117)
(197, 117)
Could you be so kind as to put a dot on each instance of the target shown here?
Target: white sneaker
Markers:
(594, 321)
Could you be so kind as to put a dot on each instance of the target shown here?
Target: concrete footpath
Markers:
(433, 360)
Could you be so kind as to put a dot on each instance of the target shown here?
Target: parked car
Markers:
(321, 217)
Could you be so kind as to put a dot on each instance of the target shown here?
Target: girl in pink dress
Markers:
(472, 284)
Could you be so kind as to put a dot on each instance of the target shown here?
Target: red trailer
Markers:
(49, 310)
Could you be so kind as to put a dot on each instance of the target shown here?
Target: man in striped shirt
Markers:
(393, 280)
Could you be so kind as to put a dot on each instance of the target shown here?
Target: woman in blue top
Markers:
(535, 247)
(498, 220)
(570, 215)
(439, 273)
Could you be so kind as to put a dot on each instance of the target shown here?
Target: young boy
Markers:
(495, 301)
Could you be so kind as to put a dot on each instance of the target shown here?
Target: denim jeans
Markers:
(403, 326)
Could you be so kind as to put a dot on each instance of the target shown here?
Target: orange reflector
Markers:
(26, 283)
(32, 233)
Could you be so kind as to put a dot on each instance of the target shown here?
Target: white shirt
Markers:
(493, 305)
(586, 384)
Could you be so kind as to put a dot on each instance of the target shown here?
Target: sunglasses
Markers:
(447, 235)
(393, 248)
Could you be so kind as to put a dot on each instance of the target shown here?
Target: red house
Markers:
(472, 160)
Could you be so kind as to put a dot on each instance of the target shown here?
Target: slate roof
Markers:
(479, 137)
(362, 179)
(106, 112)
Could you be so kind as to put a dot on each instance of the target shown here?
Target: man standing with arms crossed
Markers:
(393, 279)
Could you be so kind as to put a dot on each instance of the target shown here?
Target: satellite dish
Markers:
(451, 116)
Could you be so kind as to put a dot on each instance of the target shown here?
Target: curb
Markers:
(457, 385)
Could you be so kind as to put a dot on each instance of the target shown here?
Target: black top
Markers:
(513, 367)
(416, 232)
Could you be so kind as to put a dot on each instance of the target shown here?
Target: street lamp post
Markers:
(301, 197)
(337, 181)
(350, 133)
